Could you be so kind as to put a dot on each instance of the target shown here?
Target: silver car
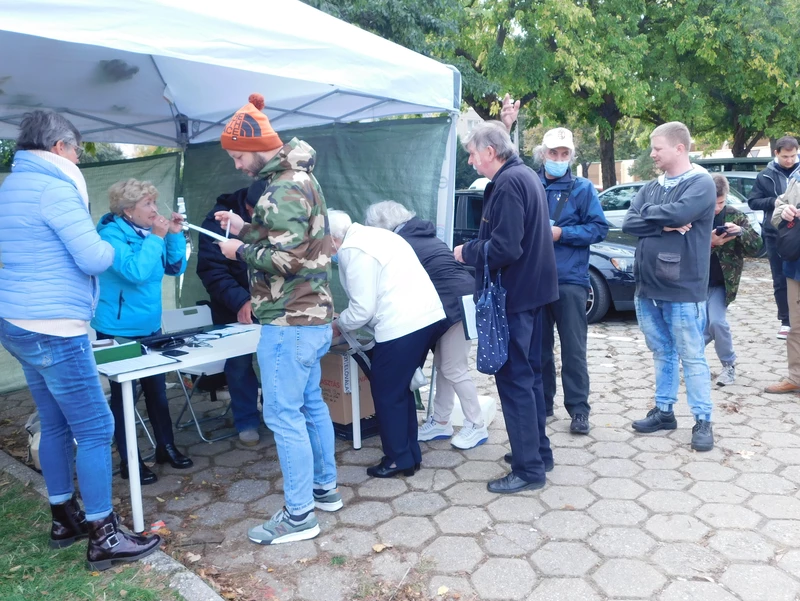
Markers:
(617, 200)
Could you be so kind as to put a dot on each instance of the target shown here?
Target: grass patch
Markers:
(338, 560)
(30, 570)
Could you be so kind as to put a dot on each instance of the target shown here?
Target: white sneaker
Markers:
(470, 436)
(783, 332)
(727, 376)
(431, 430)
(249, 438)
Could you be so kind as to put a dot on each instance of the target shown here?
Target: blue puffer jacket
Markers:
(130, 292)
(582, 224)
(50, 252)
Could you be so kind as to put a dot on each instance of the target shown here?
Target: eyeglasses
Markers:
(78, 150)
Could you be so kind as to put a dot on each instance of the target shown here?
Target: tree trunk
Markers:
(607, 163)
(585, 169)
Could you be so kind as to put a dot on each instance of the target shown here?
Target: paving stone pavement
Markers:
(623, 516)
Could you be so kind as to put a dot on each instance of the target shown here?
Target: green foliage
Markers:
(100, 152)
(7, 152)
(643, 167)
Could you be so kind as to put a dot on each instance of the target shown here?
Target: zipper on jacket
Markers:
(121, 300)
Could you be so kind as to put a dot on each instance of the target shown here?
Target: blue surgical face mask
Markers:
(556, 168)
(335, 259)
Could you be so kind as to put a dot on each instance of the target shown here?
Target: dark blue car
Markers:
(610, 261)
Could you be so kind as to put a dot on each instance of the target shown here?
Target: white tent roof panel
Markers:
(118, 61)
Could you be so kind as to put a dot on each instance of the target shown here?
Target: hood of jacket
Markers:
(295, 155)
(123, 224)
(27, 162)
(235, 201)
(418, 227)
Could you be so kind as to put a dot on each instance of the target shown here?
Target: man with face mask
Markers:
(577, 221)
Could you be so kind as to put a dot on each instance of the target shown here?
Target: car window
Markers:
(618, 200)
(474, 207)
(743, 185)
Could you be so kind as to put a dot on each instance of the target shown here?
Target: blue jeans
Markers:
(243, 386)
(717, 328)
(62, 377)
(673, 331)
(288, 357)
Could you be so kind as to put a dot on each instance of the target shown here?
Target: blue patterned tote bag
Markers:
(491, 322)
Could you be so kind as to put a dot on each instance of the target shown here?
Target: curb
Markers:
(190, 586)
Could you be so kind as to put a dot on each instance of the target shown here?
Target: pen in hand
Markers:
(228, 226)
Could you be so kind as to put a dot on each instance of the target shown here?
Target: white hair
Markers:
(494, 134)
(387, 215)
(540, 152)
(339, 222)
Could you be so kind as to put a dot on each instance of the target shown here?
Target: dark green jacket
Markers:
(731, 254)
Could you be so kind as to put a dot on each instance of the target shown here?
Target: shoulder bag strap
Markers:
(562, 201)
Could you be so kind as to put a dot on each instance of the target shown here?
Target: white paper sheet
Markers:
(125, 365)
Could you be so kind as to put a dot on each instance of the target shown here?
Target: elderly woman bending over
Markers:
(452, 281)
(389, 293)
(148, 247)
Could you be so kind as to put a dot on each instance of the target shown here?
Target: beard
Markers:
(255, 167)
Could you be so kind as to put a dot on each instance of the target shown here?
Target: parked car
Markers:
(610, 261)
(617, 200)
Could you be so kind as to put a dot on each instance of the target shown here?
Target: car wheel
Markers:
(599, 298)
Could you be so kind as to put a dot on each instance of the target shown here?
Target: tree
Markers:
(728, 69)
(100, 152)
(643, 167)
(7, 152)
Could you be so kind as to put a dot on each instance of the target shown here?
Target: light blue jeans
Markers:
(717, 328)
(62, 377)
(675, 331)
(288, 357)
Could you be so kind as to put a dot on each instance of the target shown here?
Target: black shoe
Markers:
(109, 545)
(580, 424)
(146, 475)
(69, 524)
(702, 436)
(169, 454)
(382, 470)
(385, 460)
(656, 420)
(512, 483)
(548, 465)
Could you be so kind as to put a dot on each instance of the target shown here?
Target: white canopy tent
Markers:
(171, 72)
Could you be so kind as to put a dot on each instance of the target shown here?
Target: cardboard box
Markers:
(336, 386)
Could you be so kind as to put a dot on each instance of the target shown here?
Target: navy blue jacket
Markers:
(582, 224)
(225, 281)
(450, 278)
(516, 223)
(770, 183)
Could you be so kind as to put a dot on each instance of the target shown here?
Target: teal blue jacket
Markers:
(130, 291)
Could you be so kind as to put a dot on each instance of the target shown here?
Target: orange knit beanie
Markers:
(249, 130)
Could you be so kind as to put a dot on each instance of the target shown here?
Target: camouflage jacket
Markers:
(288, 246)
(731, 254)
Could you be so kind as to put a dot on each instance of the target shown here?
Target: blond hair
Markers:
(674, 131)
(125, 194)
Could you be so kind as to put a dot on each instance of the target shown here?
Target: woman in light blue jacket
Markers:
(50, 255)
(147, 247)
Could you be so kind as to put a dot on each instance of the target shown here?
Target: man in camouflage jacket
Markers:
(728, 250)
(287, 248)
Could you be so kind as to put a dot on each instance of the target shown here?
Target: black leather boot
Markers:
(109, 545)
(169, 454)
(69, 524)
(146, 475)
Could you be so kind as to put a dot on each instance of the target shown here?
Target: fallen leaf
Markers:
(15, 568)
(569, 507)
(193, 557)
(160, 500)
(123, 593)
(378, 548)
(270, 569)
(442, 591)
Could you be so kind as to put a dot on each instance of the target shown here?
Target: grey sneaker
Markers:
(702, 436)
(281, 529)
(328, 500)
(249, 438)
(727, 375)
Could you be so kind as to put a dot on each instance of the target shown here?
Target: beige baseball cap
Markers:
(560, 137)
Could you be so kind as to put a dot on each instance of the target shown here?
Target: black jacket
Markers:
(516, 222)
(450, 278)
(770, 183)
(225, 281)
